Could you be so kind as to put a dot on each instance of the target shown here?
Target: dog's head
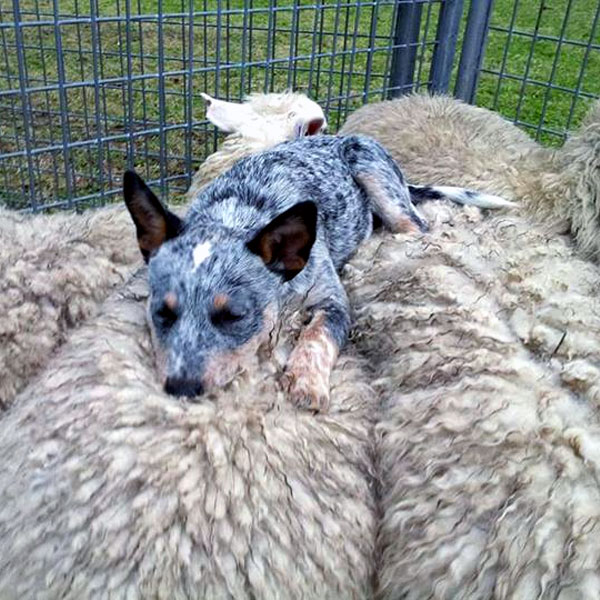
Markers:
(214, 286)
(272, 118)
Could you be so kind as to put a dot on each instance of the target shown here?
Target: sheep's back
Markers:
(55, 270)
(114, 488)
(482, 338)
(440, 140)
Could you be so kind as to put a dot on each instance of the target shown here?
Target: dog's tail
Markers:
(420, 193)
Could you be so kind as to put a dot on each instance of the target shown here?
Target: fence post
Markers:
(445, 48)
(473, 49)
(406, 38)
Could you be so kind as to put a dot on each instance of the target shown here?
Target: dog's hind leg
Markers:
(377, 174)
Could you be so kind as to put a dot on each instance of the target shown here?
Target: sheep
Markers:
(442, 140)
(475, 350)
(260, 122)
(56, 269)
(110, 488)
(487, 433)
(484, 346)
(54, 272)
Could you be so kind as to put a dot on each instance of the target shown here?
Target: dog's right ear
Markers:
(154, 224)
(285, 243)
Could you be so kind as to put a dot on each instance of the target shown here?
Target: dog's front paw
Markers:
(306, 377)
(307, 390)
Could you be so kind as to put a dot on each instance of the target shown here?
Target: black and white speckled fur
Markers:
(208, 256)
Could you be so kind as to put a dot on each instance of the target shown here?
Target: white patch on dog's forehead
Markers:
(201, 252)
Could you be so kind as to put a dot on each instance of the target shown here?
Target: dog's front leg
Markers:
(312, 360)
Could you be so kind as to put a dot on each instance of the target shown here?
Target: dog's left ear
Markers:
(285, 243)
(154, 224)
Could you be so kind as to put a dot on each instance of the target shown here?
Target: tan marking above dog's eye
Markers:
(220, 301)
(170, 300)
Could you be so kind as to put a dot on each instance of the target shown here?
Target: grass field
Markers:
(543, 60)
(334, 66)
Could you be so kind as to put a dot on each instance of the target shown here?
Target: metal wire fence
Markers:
(87, 89)
(91, 87)
(542, 64)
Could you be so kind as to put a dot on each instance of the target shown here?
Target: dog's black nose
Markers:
(179, 386)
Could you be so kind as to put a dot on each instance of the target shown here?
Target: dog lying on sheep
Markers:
(56, 269)
(276, 228)
(476, 347)
(441, 139)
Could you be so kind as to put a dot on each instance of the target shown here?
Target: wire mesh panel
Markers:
(90, 87)
(542, 64)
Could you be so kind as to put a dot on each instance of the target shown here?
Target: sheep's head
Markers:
(269, 118)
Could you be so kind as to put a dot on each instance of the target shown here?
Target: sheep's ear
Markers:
(154, 224)
(229, 117)
(285, 243)
(306, 127)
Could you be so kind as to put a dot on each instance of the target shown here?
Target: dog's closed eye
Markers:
(224, 317)
(166, 316)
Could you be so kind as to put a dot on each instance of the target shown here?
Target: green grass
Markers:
(210, 42)
(543, 61)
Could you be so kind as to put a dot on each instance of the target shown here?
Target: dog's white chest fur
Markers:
(200, 253)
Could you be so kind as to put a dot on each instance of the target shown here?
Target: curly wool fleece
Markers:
(54, 272)
(114, 489)
(476, 347)
(485, 348)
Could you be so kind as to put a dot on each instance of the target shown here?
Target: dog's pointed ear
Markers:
(229, 117)
(154, 224)
(285, 243)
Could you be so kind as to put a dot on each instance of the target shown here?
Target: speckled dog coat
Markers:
(275, 228)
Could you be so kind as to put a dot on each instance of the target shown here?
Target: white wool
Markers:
(55, 270)
(485, 453)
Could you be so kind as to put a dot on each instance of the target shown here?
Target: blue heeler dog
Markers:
(277, 225)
